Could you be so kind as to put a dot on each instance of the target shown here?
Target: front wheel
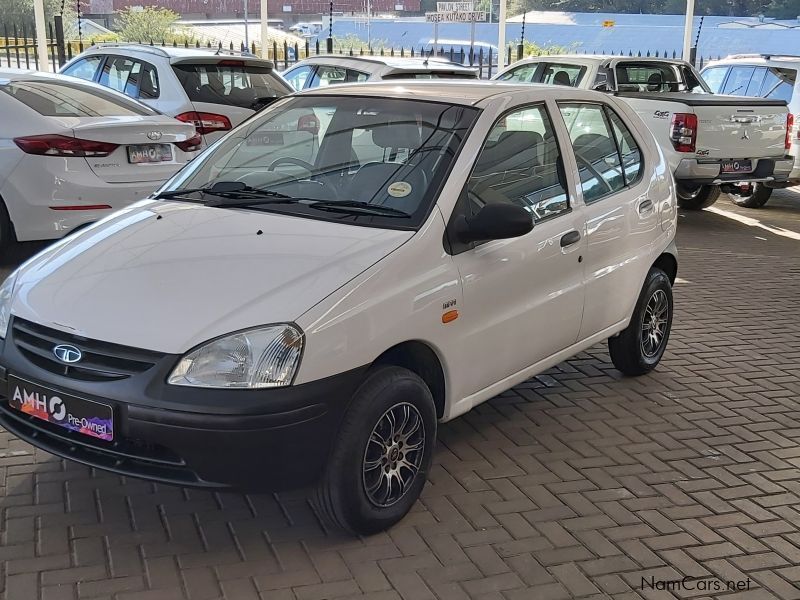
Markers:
(697, 198)
(639, 347)
(382, 454)
(753, 195)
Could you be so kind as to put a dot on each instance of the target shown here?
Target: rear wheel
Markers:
(640, 346)
(697, 198)
(753, 195)
(382, 454)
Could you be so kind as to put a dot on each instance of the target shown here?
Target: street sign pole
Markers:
(687, 30)
(501, 35)
(472, 39)
(436, 38)
(246, 28)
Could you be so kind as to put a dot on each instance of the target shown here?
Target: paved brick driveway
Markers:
(576, 484)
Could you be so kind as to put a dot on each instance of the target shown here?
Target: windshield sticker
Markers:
(399, 189)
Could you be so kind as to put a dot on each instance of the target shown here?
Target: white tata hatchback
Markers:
(311, 296)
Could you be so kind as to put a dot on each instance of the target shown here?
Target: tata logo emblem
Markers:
(154, 135)
(67, 354)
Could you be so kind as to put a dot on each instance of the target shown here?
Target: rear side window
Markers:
(523, 74)
(560, 74)
(298, 77)
(714, 77)
(233, 83)
(778, 83)
(738, 80)
(85, 68)
(62, 99)
(607, 154)
(431, 75)
(647, 77)
(133, 78)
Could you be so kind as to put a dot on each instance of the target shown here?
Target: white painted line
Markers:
(751, 222)
(681, 280)
(758, 237)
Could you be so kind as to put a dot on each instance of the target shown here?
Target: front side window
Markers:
(521, 163)
(298, 77)
(597, 150)
(523, 74)
(231, 82)
(363, 161)
(63, 99)
(714, 77)
(86, 68)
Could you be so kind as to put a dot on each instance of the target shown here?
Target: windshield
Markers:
(388, 154)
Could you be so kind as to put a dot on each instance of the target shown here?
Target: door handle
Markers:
(570, 238)
(645, 206)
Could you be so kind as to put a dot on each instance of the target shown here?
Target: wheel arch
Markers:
(668, 263)
(420, 358)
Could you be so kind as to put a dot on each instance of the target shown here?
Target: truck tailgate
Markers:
(730, 126)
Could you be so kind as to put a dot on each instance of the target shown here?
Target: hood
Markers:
(166, 276)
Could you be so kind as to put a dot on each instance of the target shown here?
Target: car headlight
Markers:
(6, 295)
(256, 358)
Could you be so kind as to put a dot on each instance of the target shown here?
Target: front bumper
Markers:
(691, 171)
(253, 440)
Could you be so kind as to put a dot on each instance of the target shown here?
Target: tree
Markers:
(151, 23)
(20, 12)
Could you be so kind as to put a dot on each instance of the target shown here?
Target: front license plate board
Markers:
(149, 153)
(87, 417)
(737, 166)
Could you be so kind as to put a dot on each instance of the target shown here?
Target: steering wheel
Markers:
(291, 160)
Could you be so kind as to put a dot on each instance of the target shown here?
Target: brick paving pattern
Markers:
(577, 484)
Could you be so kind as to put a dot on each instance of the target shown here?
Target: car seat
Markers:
(562, 78)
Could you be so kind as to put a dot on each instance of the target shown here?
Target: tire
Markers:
(631, 352)
(357, 493)
(7, 238)
(756, 199)
(698, 198)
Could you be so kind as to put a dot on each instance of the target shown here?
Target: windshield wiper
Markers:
(355, 207)
(231, 192)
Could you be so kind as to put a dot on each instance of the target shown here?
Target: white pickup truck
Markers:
(712, 143)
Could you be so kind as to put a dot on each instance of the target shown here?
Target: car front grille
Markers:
(101, 361)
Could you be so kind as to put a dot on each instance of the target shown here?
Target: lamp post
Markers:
(687, 31)
(501, 35)
(264, 31)
(246, 32)
(41, 34)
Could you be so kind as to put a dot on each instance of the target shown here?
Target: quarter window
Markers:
(521, 163)
(714, 77)
(738, 80)
(298, 77)
(131, 77)
(607, 154)
(523, 74)
(779, 83)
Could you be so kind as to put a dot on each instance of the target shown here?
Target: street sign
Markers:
(467, 16)
(609, 23)
(454, 6)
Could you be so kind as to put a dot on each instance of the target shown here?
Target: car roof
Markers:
(757, 58)
(394, 62)
(592, 58)
(175, 54)
(466, 93)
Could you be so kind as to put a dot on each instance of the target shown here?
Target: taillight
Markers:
(61, 145)
(683, 132)
(789, 126)
(205, 122)
(192, 144)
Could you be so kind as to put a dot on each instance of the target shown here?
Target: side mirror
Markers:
(497, 221)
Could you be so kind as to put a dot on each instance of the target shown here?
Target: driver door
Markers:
(522, 297)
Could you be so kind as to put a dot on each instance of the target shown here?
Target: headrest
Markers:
(403, 134)
(561, 78)
(512, 142)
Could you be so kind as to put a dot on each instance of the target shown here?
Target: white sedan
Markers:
(71, 152)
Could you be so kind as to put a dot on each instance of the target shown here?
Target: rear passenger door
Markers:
(621, 221)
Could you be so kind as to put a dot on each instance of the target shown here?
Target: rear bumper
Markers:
(254, 440)
(38, 186)
(691, 171)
